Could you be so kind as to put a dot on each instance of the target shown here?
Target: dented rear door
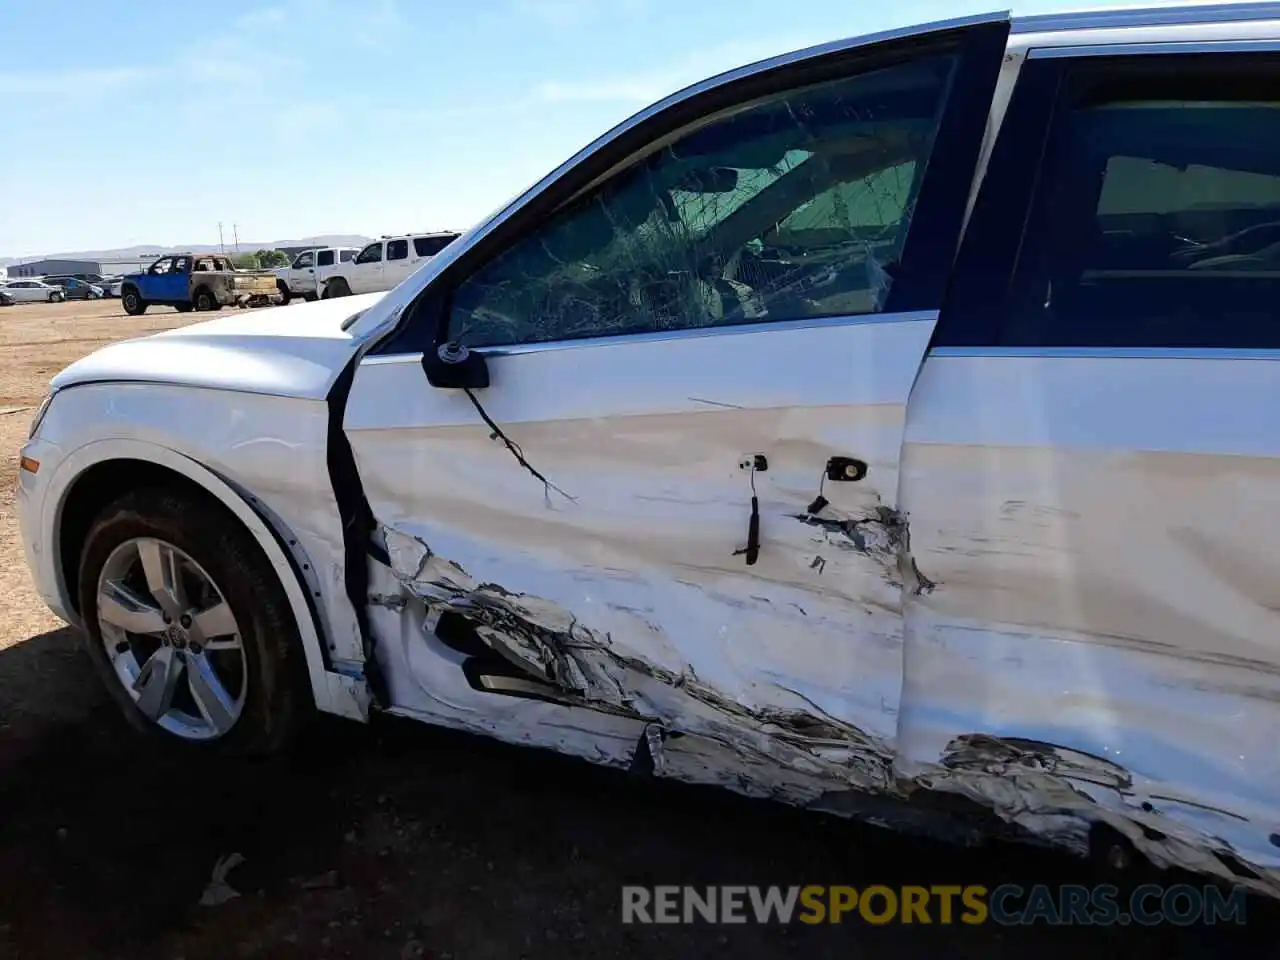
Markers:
(676, 503)
(1092, 465)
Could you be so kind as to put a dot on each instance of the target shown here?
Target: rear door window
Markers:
(1157, 216)
(397, 249)
(324, 258)
(430, 246)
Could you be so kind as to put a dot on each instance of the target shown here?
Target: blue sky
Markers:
(147, 122)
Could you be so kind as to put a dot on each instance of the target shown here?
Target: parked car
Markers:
(76, 289)
(303, 277)
(886, 428)
(30, 290)
(384, 263)
(110, 284)
(196, 282)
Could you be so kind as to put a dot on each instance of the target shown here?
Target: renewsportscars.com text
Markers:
(1008, 905)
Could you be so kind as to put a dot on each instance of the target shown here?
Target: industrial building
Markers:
(54, 267)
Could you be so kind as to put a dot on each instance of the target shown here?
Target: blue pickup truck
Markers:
(201, 281)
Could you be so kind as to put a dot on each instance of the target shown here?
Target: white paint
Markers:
(647, 438)
(273, 447)
(290, 353)
(1100, 530)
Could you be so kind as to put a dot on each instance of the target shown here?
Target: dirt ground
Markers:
(400, 841)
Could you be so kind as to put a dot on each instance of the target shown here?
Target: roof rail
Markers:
(1150, 16)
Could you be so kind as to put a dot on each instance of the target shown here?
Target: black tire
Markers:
(285, 295)
(310, 297)
(338, 287)
(183, 307)
(278, 699)
(132, 302)
(204, 299)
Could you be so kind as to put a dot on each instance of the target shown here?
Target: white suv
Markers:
(384, 263)
(887, 428)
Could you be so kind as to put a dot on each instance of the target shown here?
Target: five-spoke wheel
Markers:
(188, 623)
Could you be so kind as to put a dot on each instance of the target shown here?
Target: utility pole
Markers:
(235, 235)
(221, 246)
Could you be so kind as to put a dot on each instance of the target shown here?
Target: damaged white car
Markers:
(887, 428)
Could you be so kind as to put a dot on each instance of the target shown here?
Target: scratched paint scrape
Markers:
(798, 752)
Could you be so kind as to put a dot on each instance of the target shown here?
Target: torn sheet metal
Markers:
(801, 754)
(592, 669)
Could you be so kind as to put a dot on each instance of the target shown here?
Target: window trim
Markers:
(1172, 48)
(689, 333)
(981, 43)
(974, 318)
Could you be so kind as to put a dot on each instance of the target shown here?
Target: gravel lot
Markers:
(400, 841)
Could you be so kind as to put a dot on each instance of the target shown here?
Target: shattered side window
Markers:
(791, 207)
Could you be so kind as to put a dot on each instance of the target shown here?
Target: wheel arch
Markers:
(97, 473)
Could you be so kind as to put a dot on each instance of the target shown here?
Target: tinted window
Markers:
(346, 255)
(430, 246)
(370, 254)
(324, 258)
(1158, 220)
(304, 260)
(795, 207)
(397, 249)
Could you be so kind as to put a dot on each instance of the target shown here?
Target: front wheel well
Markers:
(101, 485)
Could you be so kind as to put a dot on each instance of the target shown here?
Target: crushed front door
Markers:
(677, 501)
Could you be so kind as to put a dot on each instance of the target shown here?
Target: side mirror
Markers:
(453, 367)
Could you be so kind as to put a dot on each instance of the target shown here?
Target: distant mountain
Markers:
(126, 253)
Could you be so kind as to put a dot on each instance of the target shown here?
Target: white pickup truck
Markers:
(304, 277)
(384, 263)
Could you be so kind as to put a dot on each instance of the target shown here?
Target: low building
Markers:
(44, 268)
(55, 267)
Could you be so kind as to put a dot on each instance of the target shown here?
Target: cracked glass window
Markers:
(792, 207)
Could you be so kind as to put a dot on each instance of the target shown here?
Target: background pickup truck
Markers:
(187, 282)
(303, 277)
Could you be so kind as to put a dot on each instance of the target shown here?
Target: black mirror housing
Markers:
(453, 367)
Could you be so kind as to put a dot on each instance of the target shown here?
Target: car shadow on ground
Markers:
(398, 840)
